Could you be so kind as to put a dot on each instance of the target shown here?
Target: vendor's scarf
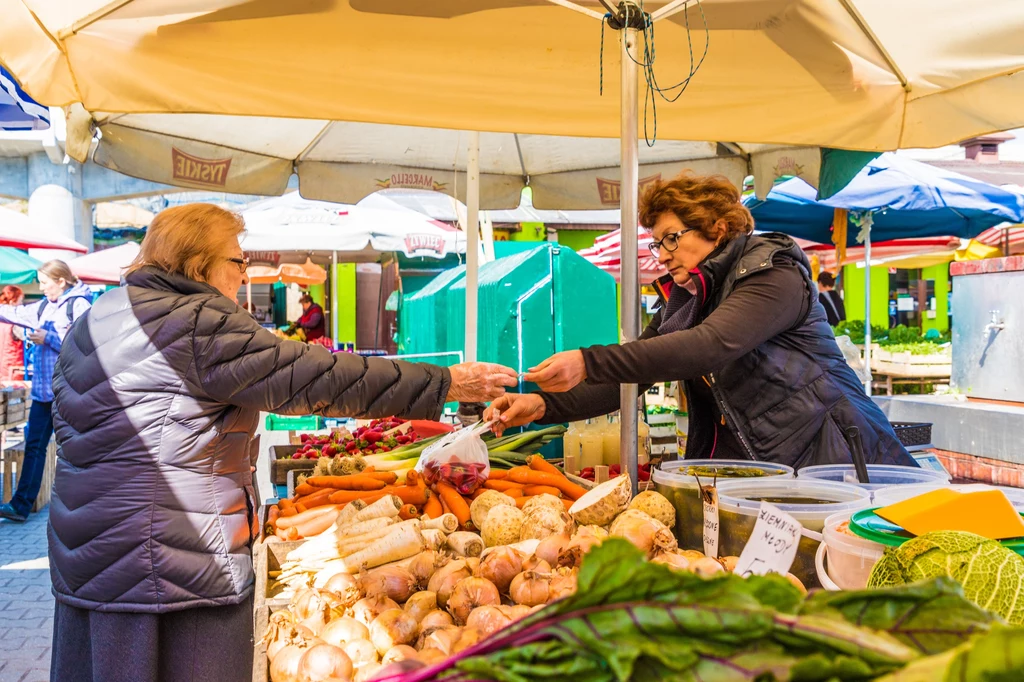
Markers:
(683, 305)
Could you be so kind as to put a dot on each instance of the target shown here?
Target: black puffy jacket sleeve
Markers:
(240, 363)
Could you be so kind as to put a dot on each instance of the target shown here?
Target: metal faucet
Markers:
(994, 324)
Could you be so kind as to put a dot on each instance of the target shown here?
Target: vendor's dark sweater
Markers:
(761, 351)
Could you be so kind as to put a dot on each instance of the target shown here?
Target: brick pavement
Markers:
(26, 605)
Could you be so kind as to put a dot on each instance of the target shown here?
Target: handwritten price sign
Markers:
(772, 545)
(709, 496)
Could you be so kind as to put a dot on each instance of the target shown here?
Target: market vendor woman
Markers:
(741, 327)
(158, 390)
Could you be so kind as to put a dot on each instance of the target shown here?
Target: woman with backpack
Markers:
(46, 323)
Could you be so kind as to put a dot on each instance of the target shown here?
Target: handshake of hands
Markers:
(485, 381)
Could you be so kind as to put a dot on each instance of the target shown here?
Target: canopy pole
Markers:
(248, 295)
(334, 297)
(628, 199)
(472, 242)
(867, 306)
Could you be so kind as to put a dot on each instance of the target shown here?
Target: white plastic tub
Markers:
(880, 475)
(844, 561)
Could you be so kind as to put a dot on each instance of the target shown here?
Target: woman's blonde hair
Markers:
(187, 240)
(58, 269)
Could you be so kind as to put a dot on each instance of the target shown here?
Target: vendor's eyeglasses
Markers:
(242, 263)
(669, 241)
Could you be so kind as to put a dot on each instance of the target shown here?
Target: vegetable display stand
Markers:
(267, 558)
(11, 459)
(281, 463)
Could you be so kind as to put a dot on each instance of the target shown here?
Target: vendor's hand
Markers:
(37, 336)
(559, 373)
(516, 409)
(479, 382)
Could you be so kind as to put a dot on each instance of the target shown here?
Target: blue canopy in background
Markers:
(18, 111)
(908, 199)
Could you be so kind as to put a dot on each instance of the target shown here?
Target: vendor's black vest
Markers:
(790, 399)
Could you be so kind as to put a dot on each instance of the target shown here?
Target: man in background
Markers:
(830, 298)
(312, 320)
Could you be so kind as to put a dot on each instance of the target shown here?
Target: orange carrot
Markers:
(413, 477)
(389, 477)
(286, 511)
(497, 474)
(305, 489)
(345, 496)
(352, 482)
(538, 463)
(444, 505)
(432, 508)
(531, 477)
(409, 494)
(521, 501)
(407, 512)
(513, 492)
(300, 508)
(285, 504)
(501, 486)
(541, 490)
(455, 502)
(313, 500)
(271, 525)
(478, 492)
(567, 502)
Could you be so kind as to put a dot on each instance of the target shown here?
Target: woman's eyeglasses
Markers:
(669, 241)
(242, 263)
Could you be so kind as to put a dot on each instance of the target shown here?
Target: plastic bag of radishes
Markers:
(459, 459)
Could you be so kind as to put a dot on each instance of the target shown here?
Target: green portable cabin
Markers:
(534, 304)
(422, 319)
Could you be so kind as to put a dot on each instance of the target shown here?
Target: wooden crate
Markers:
(11, 459)
(281, 463)
(267, 556)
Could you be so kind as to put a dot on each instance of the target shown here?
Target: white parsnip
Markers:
(402, 542)
(445, 522)
(435, 539)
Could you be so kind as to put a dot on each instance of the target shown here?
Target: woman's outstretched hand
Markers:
(515, 409)
(559, 373)
(479, 382)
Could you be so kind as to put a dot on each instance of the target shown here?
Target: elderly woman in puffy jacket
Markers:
(158, 390)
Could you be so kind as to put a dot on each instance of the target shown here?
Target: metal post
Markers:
(472, 242)
(629, 268)
(867, 305)
(334, 297)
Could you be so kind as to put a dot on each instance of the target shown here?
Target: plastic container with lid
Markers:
(809, 502)
(844, 560)
(880, 475)
(672, 480)
(891, 495)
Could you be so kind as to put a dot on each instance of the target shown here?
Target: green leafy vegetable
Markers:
(997, 656)
(992, 576)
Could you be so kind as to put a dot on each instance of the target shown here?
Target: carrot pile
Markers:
(319, 500)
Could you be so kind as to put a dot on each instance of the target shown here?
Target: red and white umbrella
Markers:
(18, 231)
(106, 266)
(606, 254)
(1000, 236)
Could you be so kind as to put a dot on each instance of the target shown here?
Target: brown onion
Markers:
(430, 655)
(284, 667)
(519, 611)
(393, 582)
(400, 668)
(344, 586)
(440, 639)
(500, 566)
(368, 672)
(361, 652)
(341, 631)
(366, 610)
(535, 563)
(279, 632)
(488, 619)
(706, 567)
(398, 653)
(550, 547)
(572, 555)
(391, 628)
(420, 604)
(530, 589)
(469, 637)
(444, 581)
(562, 583)
(469, 594)
(324, 661)
(318, 618)
(436, 619)
(424, 565)
(674, 560)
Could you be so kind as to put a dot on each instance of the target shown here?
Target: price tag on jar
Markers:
(709, 496)
(772, 545)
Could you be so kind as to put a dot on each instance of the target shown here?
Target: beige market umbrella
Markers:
(303, 274)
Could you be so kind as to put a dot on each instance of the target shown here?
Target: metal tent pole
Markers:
(472, 242)
(334, 297)
(867, 305)
(628, 199)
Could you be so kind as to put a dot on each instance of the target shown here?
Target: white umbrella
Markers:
(17, 230)
(106, 266)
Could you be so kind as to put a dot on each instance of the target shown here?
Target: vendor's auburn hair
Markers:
(188, 240)
(700, 202)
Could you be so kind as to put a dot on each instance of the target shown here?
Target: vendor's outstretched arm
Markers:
(760, 307)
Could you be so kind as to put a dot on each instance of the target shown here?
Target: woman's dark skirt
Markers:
(212, 644)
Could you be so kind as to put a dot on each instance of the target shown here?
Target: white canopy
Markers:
(291, 223)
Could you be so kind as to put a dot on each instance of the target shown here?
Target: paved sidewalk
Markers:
(26, 605)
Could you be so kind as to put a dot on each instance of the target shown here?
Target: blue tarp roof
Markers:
(18, 111)
(908, 198)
